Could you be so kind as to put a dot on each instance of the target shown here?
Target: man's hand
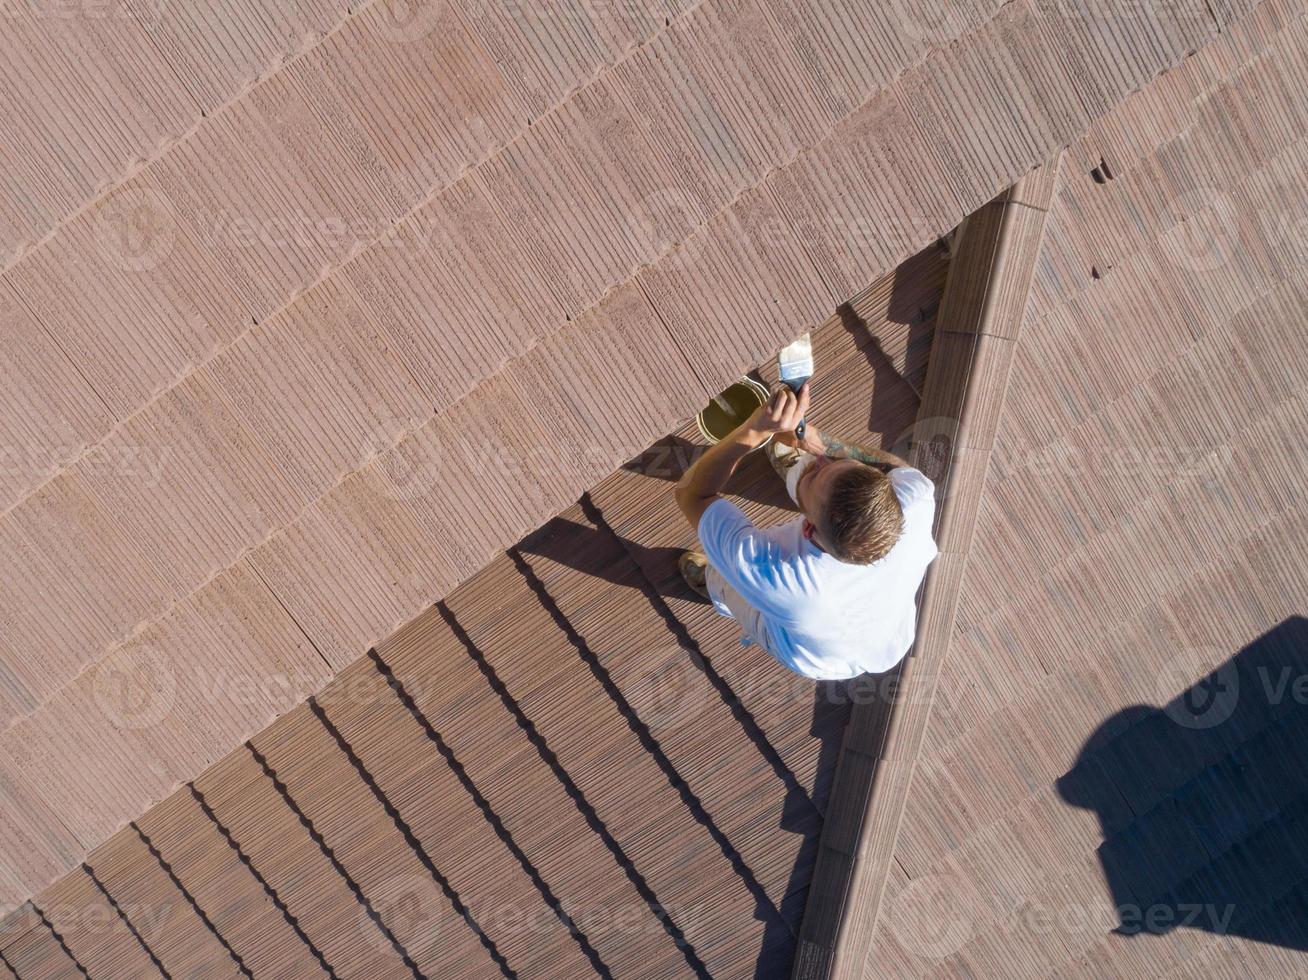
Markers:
(700, 485)
(821, 444)
(779, 414)
(813, 441)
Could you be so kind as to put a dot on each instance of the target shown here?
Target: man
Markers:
(830, 594)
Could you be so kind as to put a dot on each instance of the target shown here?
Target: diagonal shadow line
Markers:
(203, 916)
(9, 966)
(593, 820)
(489, 814)
(284, 792)
(795, 790)
(60, 940)
(263, 883)
(768, 911)
(131, 927)
(411, 839)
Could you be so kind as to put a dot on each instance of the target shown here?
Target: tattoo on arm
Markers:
(871, 457)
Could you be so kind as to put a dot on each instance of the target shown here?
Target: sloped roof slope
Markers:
(1110, 782)
(307, 314)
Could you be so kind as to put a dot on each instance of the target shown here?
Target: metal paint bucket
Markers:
(730, 408)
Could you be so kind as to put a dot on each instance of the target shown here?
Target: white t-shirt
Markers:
(819, 616)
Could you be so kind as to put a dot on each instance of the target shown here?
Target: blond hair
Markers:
(863, 516)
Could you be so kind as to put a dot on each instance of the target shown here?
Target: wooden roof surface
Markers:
(290, 273)
(567, 766)
(280, 284)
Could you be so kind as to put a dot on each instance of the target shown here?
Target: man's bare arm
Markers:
(821, 444)
(700, 485)
(879, 458)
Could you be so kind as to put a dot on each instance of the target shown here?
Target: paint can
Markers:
(730, 408)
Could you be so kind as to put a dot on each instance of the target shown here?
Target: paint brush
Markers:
(795, 367)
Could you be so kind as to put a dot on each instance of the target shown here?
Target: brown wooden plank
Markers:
(223, 892)
(98, 936)
(155, 904)
(368, 849)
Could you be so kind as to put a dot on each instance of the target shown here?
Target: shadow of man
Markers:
(1203, 801)
(672, 455)
(804, 812)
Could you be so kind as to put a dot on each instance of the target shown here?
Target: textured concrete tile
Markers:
(433, 798)
(92, 929)
(602, 379)
(737, 290)
(73, 582)
(992, 103)
(188, 484)
(237, 906)
(218, 667)
(131, 295)
(143, 890)
(94, 96)
(118, 774)
(755, 64)
(453, 294)
(1116, 47)
(320, 388)
(326, 170)
(29, 204)
(720, 93)
(38, 846)
(37, 953)
(551, 48)
(691, 116)
(414, 128)
(588, 197)
(361, 835)
(850, 49)
(866, 196)
(501, 447)
(218, 48)
(48, 412)
(237, 187)
(166, 702)
(367, 544)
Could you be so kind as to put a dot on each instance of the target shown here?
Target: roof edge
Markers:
(967, 378)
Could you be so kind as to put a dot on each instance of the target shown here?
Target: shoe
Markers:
(694, 567)
(782, 457)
